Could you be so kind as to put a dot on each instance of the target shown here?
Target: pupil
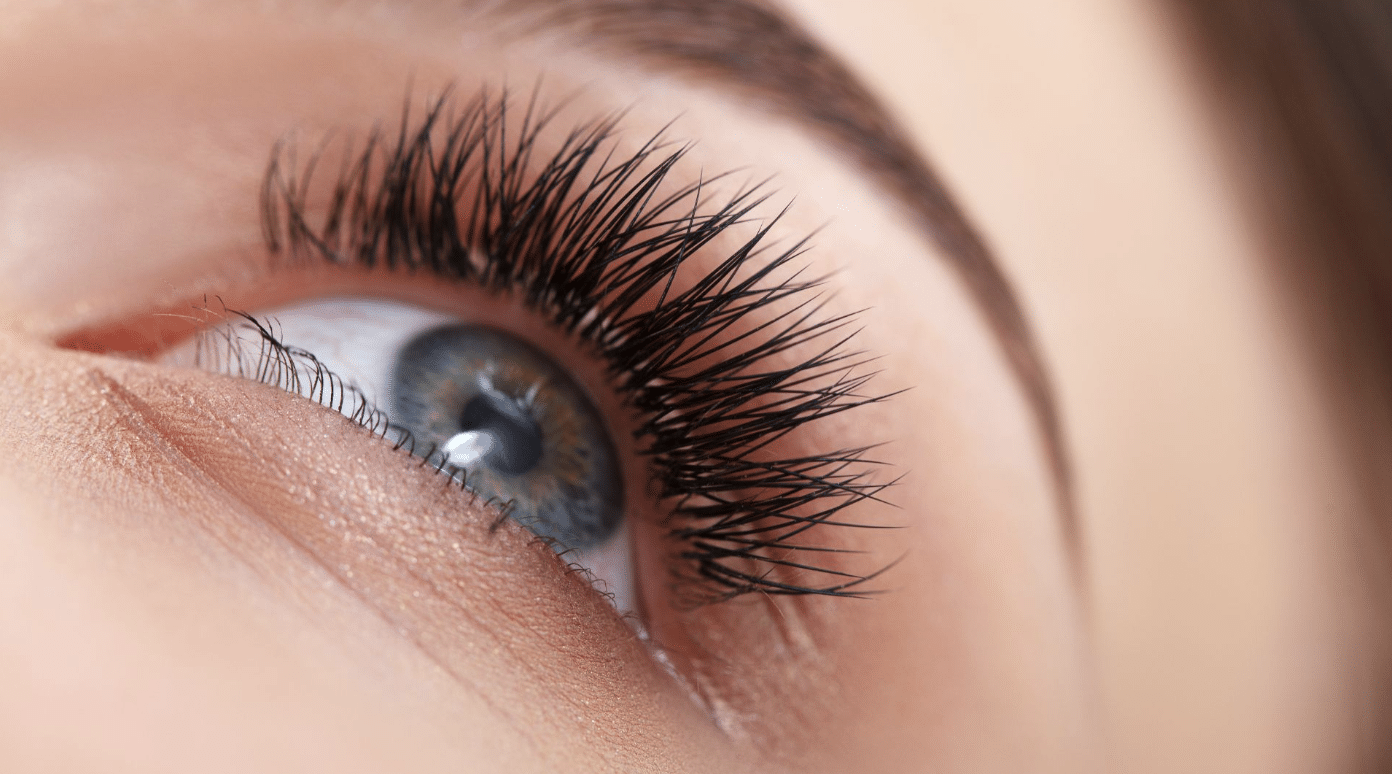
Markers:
(516, 446)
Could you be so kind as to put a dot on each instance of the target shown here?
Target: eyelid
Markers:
(720, 358)
(324, 329)
(373, 531)
(253, 466)
(714, 337)
(239, 493)
(343, 353)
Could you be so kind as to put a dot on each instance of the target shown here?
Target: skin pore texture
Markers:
(206, 573)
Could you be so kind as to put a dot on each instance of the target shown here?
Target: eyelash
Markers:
(589, 245)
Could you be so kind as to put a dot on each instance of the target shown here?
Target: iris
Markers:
(514, 425)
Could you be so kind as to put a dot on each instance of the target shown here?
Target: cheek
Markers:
(153, 655)
(163, 631)
(194, 557)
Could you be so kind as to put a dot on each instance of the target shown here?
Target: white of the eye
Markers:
(611, 564)
(356, 338)
(359, 340)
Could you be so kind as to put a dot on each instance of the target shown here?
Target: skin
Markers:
(203, 573)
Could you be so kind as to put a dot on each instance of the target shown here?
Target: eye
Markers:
(482, 405)
(514, 426)
(713, 347)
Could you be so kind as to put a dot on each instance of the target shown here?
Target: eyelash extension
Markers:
(591, 243)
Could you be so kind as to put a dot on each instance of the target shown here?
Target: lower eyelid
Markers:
(424, 556)
(354, 346)
(367, 546)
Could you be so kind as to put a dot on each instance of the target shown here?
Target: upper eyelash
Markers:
(581, 238)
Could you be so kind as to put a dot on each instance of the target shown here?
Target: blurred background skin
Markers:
(1093, 145)
(1220, 592)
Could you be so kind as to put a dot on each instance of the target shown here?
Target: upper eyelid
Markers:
(759, 54)
(589, 238)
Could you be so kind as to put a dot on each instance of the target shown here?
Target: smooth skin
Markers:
(202, 573)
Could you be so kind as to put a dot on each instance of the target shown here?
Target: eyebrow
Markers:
(750, 48)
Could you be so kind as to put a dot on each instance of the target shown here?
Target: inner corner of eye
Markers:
(480, 404)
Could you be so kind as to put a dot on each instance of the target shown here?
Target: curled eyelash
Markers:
(602, 247)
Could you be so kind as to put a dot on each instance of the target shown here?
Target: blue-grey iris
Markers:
(515, 424)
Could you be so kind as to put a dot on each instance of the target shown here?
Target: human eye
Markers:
(707, 336)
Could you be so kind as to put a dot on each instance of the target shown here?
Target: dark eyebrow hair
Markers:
(750, 48)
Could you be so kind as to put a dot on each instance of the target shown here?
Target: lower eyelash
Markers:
(588, 243)
(262, 355)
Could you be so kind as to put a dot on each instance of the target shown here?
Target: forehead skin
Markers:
(1198, 433)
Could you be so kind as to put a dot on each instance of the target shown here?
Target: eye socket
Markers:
(710, 332)
(485, 407)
